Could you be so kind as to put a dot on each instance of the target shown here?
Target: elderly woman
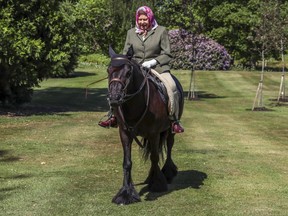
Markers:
(151, 47)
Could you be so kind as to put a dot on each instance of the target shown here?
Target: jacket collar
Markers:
(147, 36)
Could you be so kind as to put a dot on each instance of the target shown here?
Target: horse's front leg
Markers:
(127, 194)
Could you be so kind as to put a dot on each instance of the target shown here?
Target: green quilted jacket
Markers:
(155, 46)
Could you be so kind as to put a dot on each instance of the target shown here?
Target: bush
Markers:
(38, 40)
(98, 59)
(206, 55)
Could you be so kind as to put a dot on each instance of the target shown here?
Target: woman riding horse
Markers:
(151, 48)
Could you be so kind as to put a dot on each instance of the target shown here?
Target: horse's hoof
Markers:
(170, 170)
(158, 188)
(158, 184)
(156, 181)
(126, 195)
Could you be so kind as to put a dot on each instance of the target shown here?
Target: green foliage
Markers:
(98, 59)
(37, 42)
(179, 15)
(232, 24)
(41, 39)
(92, 18)
(105, 22)
(272, 19)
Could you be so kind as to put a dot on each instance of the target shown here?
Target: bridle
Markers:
(126, 97)
(120, 61)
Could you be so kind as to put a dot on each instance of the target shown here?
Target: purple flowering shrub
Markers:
(208, 54)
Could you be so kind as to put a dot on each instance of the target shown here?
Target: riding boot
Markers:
(177, 127)
(110, 122)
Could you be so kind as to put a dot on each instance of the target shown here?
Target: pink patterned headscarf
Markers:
(149, 14)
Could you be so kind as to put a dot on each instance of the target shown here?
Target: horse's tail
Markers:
(160, 148)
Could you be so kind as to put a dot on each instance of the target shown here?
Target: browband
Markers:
(119, 61)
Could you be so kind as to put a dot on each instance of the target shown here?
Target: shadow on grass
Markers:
(184, 180)
(75, 75)
(58, 100)
(5, 192)
(260, 109)
(5, 157)
(281, 102)
(80, 74)
(203, 95)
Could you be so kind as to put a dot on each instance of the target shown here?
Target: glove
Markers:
(149, 64)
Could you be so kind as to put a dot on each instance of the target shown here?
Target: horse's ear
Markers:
(111, 51)
(130, 52)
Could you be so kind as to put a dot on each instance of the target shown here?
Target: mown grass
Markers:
(55, 160)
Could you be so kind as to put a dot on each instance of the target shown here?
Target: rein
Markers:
(86, 93)
(145, 81)
(128, 97)
(132, 128)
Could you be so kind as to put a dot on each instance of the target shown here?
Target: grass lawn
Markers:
(55, 160)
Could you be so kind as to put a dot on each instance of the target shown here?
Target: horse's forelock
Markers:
(117, 63)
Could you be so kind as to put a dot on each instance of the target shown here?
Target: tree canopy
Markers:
(43, 38)
(37, 41)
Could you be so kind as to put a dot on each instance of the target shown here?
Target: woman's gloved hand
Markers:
(149, 64)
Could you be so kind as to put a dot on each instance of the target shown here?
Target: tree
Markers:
(230, 24)
(283, 31)
(104, 22)
(268, 35)
(180, 17)
(37, 41)
(93, 19)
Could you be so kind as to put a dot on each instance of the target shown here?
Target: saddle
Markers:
(159, 84)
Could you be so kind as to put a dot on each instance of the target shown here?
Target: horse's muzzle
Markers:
(116, 92)
(115, 99)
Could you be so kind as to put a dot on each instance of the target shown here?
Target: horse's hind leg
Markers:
(169, 169)
(156, 180)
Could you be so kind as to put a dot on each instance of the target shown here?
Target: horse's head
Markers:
(120, 73)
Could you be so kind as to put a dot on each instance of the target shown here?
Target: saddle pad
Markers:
(159, 83)
(158, 75)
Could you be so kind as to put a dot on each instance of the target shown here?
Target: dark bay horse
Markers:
(140, 111)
